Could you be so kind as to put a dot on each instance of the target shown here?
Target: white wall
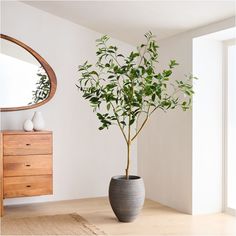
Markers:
(165, 146)
(84, 158)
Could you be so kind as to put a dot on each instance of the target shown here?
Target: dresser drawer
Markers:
(27, 186)
(25, 144)
(27, 165)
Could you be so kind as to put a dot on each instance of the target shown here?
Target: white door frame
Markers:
(226, 44)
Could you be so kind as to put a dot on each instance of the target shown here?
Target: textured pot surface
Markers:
(126, 197)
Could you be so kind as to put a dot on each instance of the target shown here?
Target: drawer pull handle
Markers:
(28, 186)
(28, 165)
(28, 144)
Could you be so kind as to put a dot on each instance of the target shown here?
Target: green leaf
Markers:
(131, 121)
(153, 97)
(173, 63)
(167, 73)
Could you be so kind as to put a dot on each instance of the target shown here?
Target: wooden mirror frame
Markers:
(48, 69)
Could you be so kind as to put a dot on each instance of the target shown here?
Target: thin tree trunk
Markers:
(128, 159)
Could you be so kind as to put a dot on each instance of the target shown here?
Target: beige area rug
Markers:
(68, 224)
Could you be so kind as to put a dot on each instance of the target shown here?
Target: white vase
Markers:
(38, 121)
(28, 125)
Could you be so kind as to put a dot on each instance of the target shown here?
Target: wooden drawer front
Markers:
(27, 165)
(27, 144)
(27, 186)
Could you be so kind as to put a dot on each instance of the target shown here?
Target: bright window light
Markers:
(231, 123)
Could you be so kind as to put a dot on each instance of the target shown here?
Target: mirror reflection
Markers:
(23, 81)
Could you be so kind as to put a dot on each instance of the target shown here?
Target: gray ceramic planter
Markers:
(126, 197)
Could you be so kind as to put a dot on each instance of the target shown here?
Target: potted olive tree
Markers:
(123, 90)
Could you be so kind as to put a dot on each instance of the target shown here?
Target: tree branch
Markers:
(144, 52)
(153, 110)
(144, 122)
(118, 122)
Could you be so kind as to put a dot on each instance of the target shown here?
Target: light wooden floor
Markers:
(155, 219)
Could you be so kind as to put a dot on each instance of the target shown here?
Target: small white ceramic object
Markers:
(38, 121)
(28, 125)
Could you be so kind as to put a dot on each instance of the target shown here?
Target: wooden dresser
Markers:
(25, 164)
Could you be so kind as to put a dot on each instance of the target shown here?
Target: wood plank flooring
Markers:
(155, 218)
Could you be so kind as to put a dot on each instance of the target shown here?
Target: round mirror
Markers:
(26, 79)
